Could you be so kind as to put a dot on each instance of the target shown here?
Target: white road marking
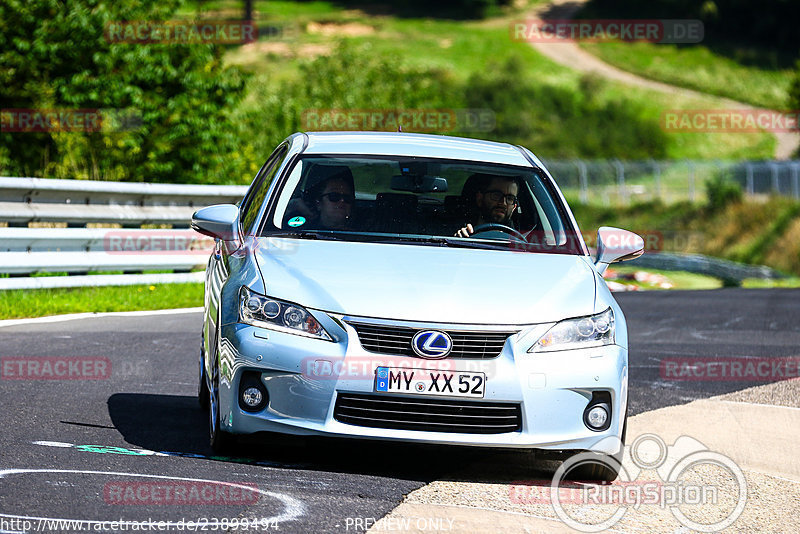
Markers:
(293, 508)
(74, 316)
(52, 443)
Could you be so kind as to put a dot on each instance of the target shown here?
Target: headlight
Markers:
(580, 333)
(266, 312)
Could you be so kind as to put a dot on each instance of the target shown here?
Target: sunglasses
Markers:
(338, 197)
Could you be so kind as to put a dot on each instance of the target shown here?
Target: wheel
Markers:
(220, 440)
(489, 227)
(202, 385)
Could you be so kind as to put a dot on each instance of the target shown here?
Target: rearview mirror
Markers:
(220, 221)
(416, 183)
(615, 244)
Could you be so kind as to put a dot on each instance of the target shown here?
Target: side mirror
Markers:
(220, 221)
(615, 244)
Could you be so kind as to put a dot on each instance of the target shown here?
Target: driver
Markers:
(327, 202)
(495, 202)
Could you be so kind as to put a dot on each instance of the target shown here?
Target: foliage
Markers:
(771, 23)
(794, 96)
(549, 119)
(721, 192)
(352, 78)
(561, 122)
(54, 55)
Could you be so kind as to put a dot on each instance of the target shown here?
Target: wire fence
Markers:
(615, 182)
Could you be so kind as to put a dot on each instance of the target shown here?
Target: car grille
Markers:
(431, 415)
(397, 340)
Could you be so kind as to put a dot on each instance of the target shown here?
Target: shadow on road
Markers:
(177, 425)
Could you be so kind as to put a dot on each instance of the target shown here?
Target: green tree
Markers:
(55, 55)
(794, 96)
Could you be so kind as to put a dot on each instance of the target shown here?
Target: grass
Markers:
(15, 304)
(678, 279)
(699, 67)
(765, 232)
(461, 48)
(757, 283)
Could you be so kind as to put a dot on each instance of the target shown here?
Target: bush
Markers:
(558, 122)
(770, 23)
(722, 192)
(351, 78)
(55, 56)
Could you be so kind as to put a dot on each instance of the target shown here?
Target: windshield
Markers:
(459, 203)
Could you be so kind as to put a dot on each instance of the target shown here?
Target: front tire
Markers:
(605, 467)
(203, 394)
(220, 441)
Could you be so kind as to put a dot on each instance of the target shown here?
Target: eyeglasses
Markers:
(338, 197)
(497, 196)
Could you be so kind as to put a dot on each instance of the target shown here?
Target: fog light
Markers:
(597, 416)
(252, 397)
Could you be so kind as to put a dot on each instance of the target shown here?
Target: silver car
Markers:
(414, 288)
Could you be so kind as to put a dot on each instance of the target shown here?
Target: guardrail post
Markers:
(796, 181)
(621, 181)
(584, 181)
(656, 177)
(775, 186)
(750, 187)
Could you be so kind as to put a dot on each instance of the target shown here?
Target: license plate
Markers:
(430, 382)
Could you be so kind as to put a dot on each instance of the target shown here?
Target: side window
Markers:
(258, 191)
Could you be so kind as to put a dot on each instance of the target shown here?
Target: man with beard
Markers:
(495, 201)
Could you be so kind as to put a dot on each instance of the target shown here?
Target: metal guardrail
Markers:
(26, 251)
(78, 202)
(728, 271)
(614, 182)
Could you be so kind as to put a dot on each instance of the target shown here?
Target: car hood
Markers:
(426, 283)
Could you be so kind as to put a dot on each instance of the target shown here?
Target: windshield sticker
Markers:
(296, 221)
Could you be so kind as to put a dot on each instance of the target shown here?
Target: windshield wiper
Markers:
(304, 235)
(338, 235)
(459, 243)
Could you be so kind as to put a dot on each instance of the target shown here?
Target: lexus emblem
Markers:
(432, 344)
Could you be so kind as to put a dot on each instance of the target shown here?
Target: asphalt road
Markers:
(74, 443)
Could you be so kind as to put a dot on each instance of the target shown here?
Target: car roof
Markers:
(413, 144)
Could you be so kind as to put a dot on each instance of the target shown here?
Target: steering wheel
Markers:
(489, 227)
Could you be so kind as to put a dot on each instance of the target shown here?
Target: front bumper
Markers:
(303, 377)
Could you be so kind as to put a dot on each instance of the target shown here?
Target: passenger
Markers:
(495, 199)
